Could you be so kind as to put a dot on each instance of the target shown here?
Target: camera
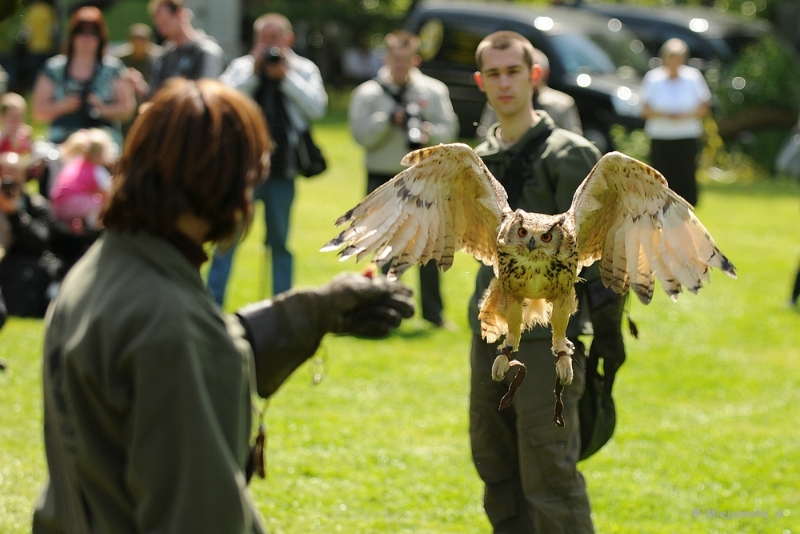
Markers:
(89, 113)
(413, 125)
(273, 55)
(9, 187)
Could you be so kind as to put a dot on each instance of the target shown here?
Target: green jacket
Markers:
(551, 174)
(152, 393)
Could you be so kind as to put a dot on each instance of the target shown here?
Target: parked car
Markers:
(745, 98)
(599, 64)
(712, 36)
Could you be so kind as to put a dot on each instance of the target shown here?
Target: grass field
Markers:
(708, 402)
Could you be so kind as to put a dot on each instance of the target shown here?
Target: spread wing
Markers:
(446, 201)
(627, 217)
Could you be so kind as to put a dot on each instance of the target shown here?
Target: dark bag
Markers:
(598, 415)
(25, 281)
(310, 161)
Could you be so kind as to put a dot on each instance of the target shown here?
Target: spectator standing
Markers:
(27, 268)
(188, 52)
(527, 463)
(675, 100)
(399, 111)
(40, 24)
(289, 90)
(139, 54)
(83, 88)
(15, 135)
(147, 385)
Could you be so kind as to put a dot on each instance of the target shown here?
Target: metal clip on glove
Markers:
(286, 331)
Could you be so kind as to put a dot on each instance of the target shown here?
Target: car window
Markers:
(597, 53)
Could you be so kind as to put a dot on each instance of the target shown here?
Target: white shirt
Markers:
(683, 94)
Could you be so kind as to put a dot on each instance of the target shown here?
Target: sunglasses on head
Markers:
(9, 188)
(87, 29)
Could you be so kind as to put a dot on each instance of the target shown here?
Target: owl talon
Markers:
(501, 363)
(508, 398)
(564, 368)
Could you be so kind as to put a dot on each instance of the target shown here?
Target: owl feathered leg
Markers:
(502, 314)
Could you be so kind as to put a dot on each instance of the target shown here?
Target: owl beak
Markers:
(532, 244)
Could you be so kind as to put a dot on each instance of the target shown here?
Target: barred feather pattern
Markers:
(447, 200)
(627, 217)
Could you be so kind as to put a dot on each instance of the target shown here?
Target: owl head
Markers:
(533, 234)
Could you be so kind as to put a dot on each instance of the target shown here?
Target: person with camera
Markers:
(84, 87)
(398, 111)
(289, 90)
(27, 268)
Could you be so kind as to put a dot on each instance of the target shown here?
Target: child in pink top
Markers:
(81, 187)
(15, 135)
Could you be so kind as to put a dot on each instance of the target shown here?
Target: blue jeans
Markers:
(277, 196)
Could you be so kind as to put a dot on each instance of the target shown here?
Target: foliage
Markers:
(708, 399)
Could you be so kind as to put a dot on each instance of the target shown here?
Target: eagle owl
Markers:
(623, 215)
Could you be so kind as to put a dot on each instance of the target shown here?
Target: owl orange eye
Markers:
(522, 232)
(547, 237)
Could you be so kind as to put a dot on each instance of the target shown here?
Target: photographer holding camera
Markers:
(289, 90)
(83, 88)
(399, 111)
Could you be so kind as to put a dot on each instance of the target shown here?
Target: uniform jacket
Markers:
(370, 117)
(551, 175)
(152, 392)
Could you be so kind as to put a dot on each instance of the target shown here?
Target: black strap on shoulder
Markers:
(513, 175)
(398, 97)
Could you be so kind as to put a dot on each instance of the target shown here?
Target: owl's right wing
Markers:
(446, 201)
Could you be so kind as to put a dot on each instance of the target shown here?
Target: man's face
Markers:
(507, 80)
(400, 62)
(167, 23)
(272, 35)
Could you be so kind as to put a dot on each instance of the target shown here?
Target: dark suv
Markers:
(711, 36)
(599, 64)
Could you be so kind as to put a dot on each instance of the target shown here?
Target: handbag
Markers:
(310, 161)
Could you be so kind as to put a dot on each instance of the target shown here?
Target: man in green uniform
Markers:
(527, 463)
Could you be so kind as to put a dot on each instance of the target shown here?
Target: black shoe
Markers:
(2, 365)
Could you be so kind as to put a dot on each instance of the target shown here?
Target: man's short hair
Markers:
(197, 149)
(502, 40)
(172, 5)
(273, 18)
(402, 39)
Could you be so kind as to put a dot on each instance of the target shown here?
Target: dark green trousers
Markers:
(527, 463)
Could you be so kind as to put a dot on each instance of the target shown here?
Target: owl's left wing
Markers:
(446, 201)
(627, 217)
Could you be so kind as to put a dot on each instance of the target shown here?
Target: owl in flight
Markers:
(623, 215)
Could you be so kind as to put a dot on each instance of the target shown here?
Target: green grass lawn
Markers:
(708, 399)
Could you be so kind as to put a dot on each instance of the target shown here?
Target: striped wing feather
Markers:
(447, 200)
(627, 218)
